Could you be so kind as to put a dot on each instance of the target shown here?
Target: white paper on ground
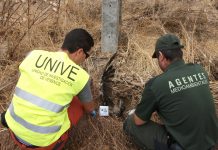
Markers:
(103, 111)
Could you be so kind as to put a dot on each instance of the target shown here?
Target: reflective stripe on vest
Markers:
(35, 128)
(38, 101)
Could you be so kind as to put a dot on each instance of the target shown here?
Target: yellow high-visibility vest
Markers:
(47, 84)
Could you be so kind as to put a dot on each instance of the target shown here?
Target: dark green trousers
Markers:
(149, 136)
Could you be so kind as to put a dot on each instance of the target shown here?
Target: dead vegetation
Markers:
(41, 24)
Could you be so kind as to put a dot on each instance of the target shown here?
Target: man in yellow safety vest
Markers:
(51, 94)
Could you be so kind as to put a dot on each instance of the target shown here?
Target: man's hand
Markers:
(138, 121)
(93, 113)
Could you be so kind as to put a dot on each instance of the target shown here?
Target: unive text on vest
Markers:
(56, 66)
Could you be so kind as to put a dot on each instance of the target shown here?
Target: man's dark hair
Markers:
(173, 54)
(77, 38)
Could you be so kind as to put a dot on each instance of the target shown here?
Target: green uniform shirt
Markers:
(182, 98)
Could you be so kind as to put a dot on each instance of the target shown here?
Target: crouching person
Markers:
(182, 98)
(51, 95)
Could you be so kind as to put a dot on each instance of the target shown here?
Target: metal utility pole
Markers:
(111, 18)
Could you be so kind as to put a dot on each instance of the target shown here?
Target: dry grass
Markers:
(214, 89)
(100, 133)
(31, 24)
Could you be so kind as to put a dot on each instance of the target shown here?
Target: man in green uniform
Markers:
(181, 97)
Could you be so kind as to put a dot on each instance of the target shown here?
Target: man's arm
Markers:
(146, 106)
(89, 106)
(86, 98)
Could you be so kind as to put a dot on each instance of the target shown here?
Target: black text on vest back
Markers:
(54, 66)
